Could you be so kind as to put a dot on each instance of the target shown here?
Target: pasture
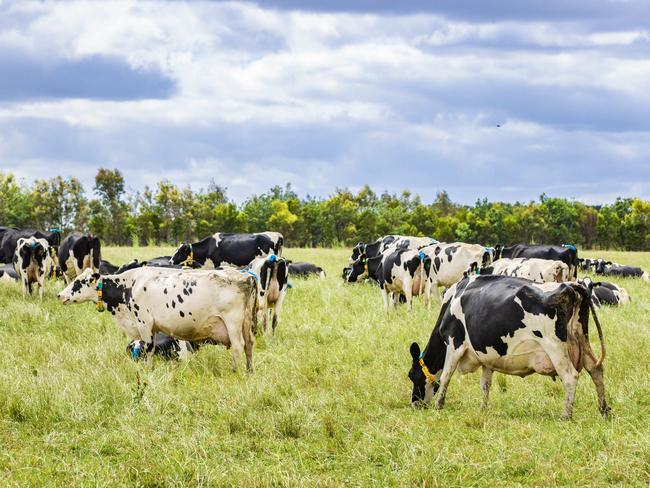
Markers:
(328, 404)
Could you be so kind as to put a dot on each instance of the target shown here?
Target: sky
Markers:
(499, 99)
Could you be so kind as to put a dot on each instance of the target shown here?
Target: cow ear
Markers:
(415, 351)
(609, 262)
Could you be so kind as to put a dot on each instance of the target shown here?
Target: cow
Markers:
(106, 267)
(512, 326)
(534, 269)
(8, 274)
(608, 268)
(566, 253)
(191, 305)
(585, 264)
(32, 263)
(10, 236)
(382, 244)
(450, 260)
(399, 272)
(166, 347)
(234, 249)
(605, 293)
(301, 269)
(77, 253)
(272, 274)
(159, 262)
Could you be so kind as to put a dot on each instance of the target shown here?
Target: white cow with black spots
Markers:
(32, 262)
(191, 305)
(534, 269)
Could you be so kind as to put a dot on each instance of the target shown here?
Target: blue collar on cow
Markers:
(432, 379)
(272, 258)
(100, 288)
(135, 352)
(250, 272)
(570, 246)
(422, 256)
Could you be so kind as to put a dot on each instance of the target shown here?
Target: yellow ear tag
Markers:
(100, 304)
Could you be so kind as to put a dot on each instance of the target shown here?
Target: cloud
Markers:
(398, 97)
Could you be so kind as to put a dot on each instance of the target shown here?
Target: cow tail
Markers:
(251, 307)
(586, 295)
(601, 337)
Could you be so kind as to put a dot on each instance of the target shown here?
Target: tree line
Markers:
(167, 214)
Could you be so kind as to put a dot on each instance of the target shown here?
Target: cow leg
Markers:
(408, 293)
(384, 296)
(597, 374)
(237, 348)
(486, 383)
(567, 373)
(24, 283)
(452, 357)
(277, 309)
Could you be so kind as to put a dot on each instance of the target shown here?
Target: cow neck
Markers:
(110, 293)
(433, 356)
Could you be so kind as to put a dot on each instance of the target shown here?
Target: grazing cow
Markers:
(272, 274)
(608, 268)
(534, 269)
(106, 267)
(566, 253)
(10, 236)
(166, 347)
(305, 270)
(400, 272)
(450, 260)
(77, 253)
(32, 263)
(604, 293)
(233, 249)
(8, 274)
(512, 326)
(384, 243)
(191, 305)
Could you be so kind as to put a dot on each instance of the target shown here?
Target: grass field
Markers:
(328, 404)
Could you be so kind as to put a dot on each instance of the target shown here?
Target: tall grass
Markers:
(328, 404)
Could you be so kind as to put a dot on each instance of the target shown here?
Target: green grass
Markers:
(328, 404)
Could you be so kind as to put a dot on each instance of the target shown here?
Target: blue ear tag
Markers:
(272, 258)
(421, 354)
(422, 256)
(135, 352)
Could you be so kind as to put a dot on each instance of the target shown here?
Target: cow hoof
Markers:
(565, 416)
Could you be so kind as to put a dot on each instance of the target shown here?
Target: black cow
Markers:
(78, 252)
(512, 326)
(106, 267)
(234, 249)
(159, 262)
(566, 253)
(305, 270)
(608, 268)
(10, 236)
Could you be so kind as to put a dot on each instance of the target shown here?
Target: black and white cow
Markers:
(106, 267)
(604, 293)
(382, 244)
(450, 260)
(566, 253)
(512, 326)
(77, 253)
(8, 274)
(272, 274)
(607, 268)
(399, 272)
(191, 305)
(32, 262)
(233, 249)
(585, 264)
(301, 269)
(534, 269)
(11, 235)
(159, 262)
(166, 347)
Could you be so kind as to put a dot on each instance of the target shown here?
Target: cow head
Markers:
(601, 266)
(182, 254)
(498, 249)
(82, 289)
(345, 272)
(423, 388)
(358, 251)
(134, 348)
(133, 264)
(357, 270)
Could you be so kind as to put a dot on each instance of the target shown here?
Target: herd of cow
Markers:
(516, 309)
